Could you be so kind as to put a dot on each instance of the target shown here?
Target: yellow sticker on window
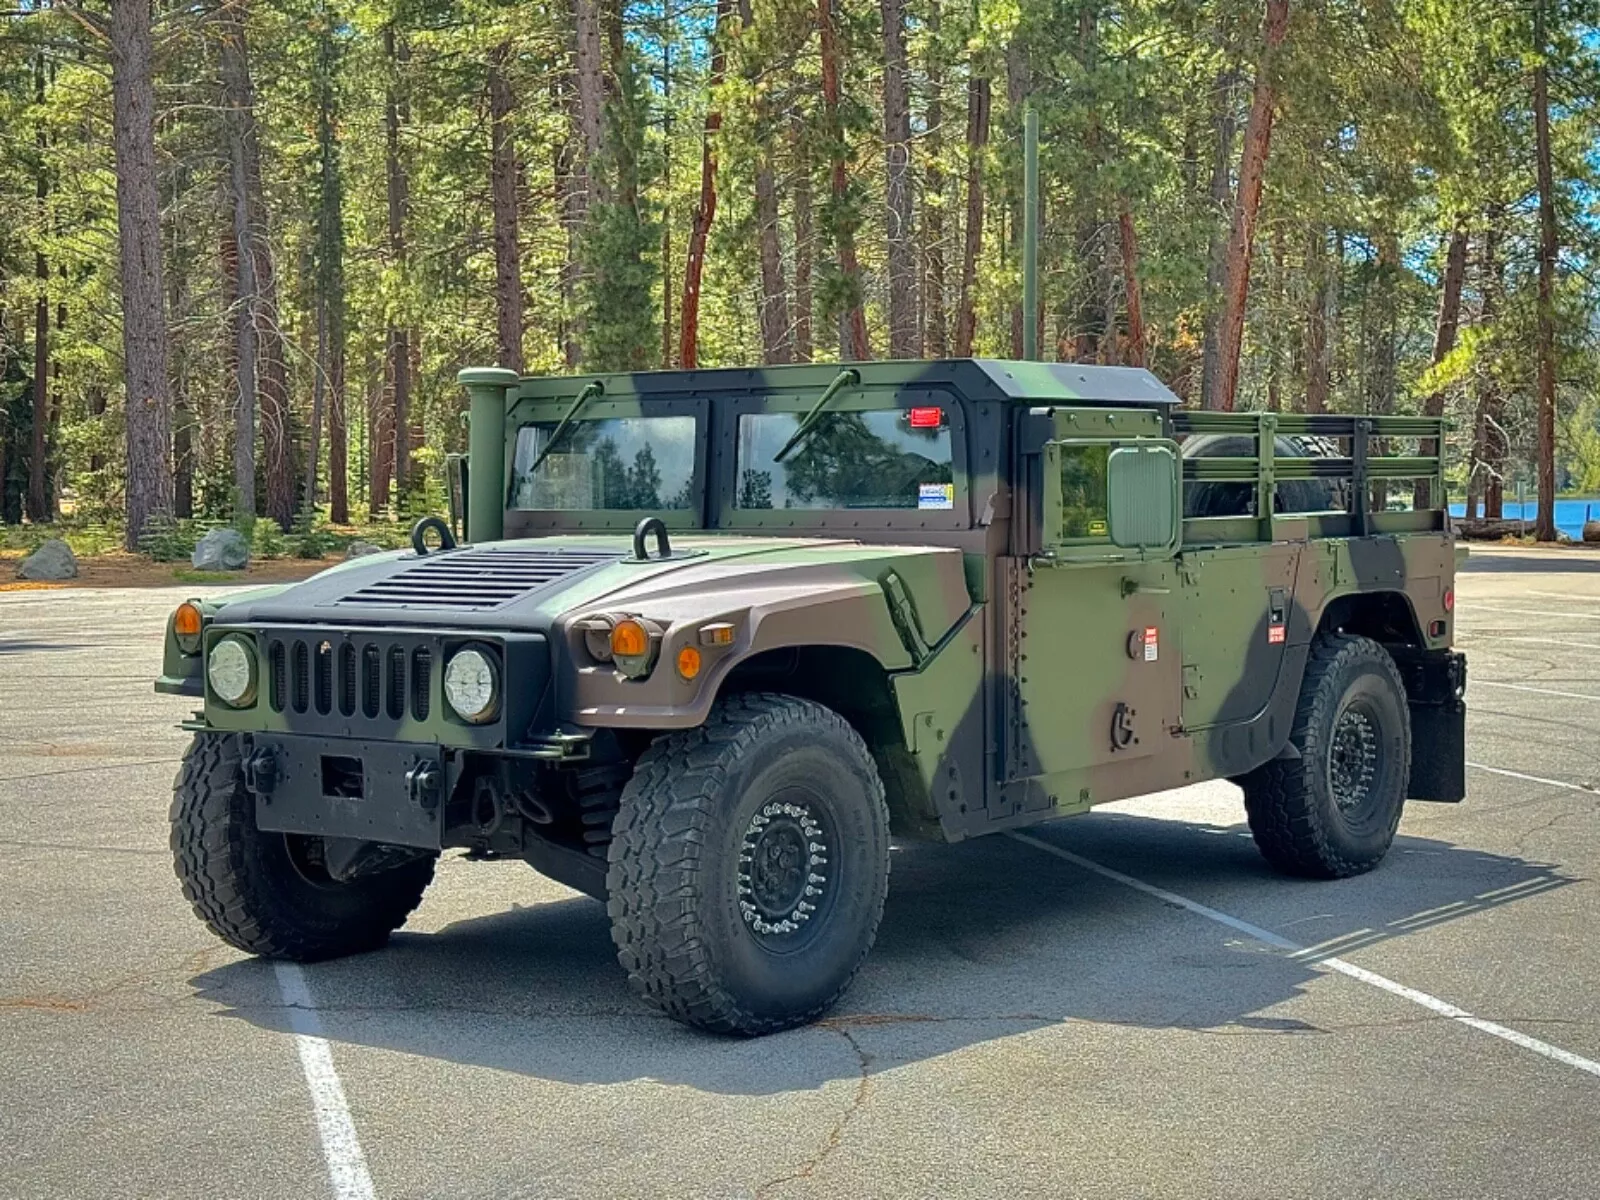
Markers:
(1097, 529)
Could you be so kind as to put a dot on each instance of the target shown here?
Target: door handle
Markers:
(1133, 586)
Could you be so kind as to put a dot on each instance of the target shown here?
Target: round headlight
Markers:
(470, 685)
(231, 671)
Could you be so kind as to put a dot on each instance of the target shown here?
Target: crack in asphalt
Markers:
(149, 762)
(162, 852)
(836, 1134)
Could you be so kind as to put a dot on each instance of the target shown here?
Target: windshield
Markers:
(888, 458)
(629, 463)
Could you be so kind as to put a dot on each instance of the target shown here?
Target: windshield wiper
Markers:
(590, 390)
(849, 377)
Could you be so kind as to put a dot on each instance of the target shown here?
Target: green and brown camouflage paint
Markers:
(999, 684)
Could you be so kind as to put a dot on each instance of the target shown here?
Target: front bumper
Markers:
(391, 792)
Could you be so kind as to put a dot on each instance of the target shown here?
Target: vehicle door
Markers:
(1094, 642)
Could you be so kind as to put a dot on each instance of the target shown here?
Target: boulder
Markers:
(222, 550)
(361, 549)
(53, 560)
(1591, 531)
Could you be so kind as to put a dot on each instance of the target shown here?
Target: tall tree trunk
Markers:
(977, 140)
(1241, 240)
(1277, 292)
(1444, 341)
(572, 191)
(1093, 316)
(276, 446)
(183, 413)
(276, 443)
(264, 310)
(775, 334)
(897, 186)
(503, 189)
(668, 19)
(1545, 523)
(591, 91)
(934, 331)
(392, 437)
(40, 506)
(1321, 314)
(238, 123)
(144, 326)
(1490, 432)
(706, 210)
(1133, 299)
(853, 342)
(805, 239)
(1225, 127)
(1384, 291)
(1019, 85)
(330, 374)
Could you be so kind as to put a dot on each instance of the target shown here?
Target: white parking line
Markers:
(347, 1165)
(1522, 687)
(1370, 978)
(1558, 783)
(1479, 606)
(1555, 643)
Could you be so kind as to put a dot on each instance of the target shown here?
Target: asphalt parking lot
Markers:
(1125, 1004)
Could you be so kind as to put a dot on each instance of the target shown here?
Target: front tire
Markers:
(748, 866)
(1331, 812)
(262, 892)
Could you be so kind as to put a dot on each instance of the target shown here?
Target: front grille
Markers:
(474, 580)
(367, 679)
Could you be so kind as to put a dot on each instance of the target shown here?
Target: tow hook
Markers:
(422, 784)
(261, 772)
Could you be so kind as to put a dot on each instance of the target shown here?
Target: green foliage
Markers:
(268, 541)
(1395, 121)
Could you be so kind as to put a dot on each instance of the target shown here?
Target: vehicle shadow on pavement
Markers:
(979, 942)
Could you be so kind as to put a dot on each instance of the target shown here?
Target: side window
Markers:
(879, 459)
(1083, 494)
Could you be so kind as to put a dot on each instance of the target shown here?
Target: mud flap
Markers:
(1435, 688)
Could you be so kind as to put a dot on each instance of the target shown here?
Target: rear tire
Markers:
(748, 866)
(260, 891)
(1332, 811)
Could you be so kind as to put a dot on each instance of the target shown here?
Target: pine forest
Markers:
(246, 246)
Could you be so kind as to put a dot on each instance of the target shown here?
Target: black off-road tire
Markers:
(244, 884)
(699, 928)
(1307, 815)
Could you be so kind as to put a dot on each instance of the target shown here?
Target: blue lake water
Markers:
(1570, 514)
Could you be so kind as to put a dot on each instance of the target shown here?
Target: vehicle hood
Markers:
(530, 584)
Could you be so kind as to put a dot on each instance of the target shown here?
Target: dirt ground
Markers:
(121, 569)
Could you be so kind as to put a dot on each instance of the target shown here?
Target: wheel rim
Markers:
(786, 876)
(1353, 758)
(306, 856)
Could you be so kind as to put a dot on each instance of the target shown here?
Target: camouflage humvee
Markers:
(716, 635)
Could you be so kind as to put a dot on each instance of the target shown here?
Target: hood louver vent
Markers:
(474, 580)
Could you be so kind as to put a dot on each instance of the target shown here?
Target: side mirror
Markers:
(1145, 495)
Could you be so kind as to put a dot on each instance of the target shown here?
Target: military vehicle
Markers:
(713, 637)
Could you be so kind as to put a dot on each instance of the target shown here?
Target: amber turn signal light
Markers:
(629, 639)
(688, 662)
(186, 624)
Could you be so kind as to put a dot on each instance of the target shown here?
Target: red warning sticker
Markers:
(926, 418)
(1274, 634)
(1151, 643)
